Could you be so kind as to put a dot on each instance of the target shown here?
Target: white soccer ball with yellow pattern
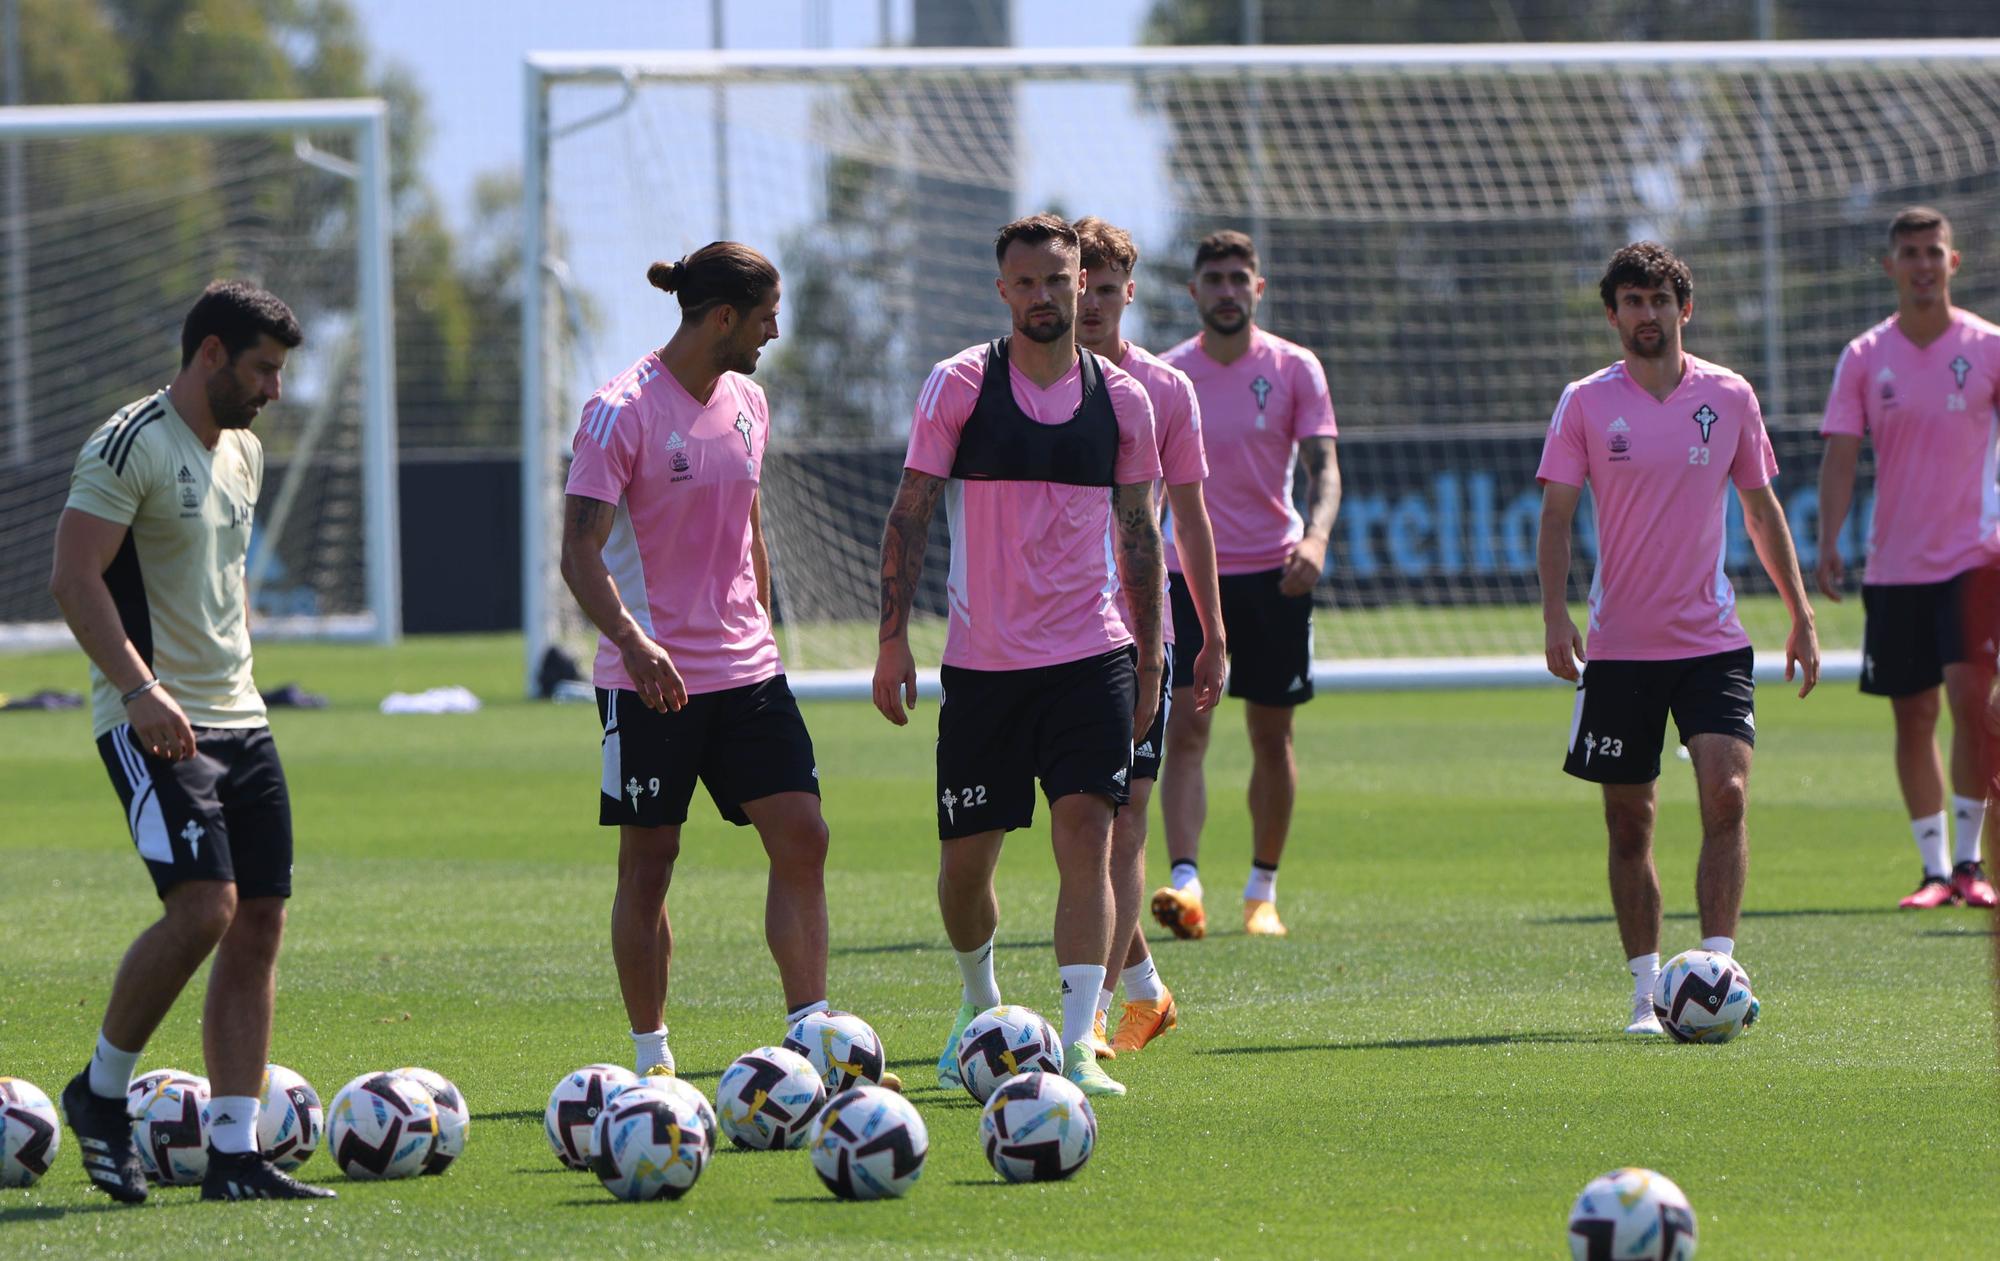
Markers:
(1631, 1215)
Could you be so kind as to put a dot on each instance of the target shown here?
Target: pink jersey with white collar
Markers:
(1177, 428)
(683, 474)
(1034, 579)
(1931, 413)
(1254, 411)
(1659, 473)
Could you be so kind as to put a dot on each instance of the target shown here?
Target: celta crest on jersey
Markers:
(1262, 389)
(1959, 369)
(743, 427)
(1706, 418)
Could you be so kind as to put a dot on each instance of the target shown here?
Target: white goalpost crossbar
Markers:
(616, 79)
(365, 123)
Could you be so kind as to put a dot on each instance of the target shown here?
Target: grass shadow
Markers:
(1783, 913)
(1420, 1044)
(936, 943)
(1956, 932)
(56, 1212)
(522, 1114)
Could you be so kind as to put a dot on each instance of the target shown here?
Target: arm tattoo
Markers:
(1323, 499)
(1141, 566)
(903, 542)
(584, 514)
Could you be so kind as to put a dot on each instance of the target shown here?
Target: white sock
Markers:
(649, 1049)
(232, 1123)
(1645, 971)
(976, 966)
(1080, 983)
(1142, 982)
(797, 1014)
(1968, 816)
(1720, 945)
(111, 1069)
(1262, 885)
(1930, 834)
(1187, 880)
(1104, 999)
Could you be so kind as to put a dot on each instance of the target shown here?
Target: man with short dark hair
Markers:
(1921, 386)
(1659, 437)
(1109, 257)
(1264, 408)
(1038, 447)
(149, 574)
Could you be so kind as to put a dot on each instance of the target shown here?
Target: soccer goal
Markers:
(114, 219)
(1432, 221)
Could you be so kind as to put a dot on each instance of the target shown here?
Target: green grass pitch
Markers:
(1430, 1066)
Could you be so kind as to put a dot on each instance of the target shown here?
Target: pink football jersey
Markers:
(1034, 580)
(1253, 412)
(1659, 473)
(1176, 425)
(1931, 413)
(683, 474)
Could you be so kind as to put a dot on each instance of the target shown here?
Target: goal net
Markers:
(112, 220)
(1432, 221)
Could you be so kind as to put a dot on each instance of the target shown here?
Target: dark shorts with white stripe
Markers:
(744, 743)
(224, 814)
(1619, 725)
(1151, 746)
(1270, 637)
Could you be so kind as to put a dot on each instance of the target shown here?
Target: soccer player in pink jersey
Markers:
(663, 547)
(1109, 257)
(1036, 448)
(1264, 409)
(1659, 437)
(1921, 385)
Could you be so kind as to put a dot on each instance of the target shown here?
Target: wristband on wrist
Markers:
(139, 691)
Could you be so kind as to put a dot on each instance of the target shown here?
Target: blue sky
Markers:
(468, 53)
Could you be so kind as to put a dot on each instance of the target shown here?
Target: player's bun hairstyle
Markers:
(1228, 243)
(239, 314)
(1645, 265)
(1033, 230)
(1105, 245)
(719, 272)
(1917, 219)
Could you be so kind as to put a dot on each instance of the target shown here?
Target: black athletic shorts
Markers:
(1620, 722)
(1270, 637)
(224, 814)
(1915, 630)
(1152, 746)
(743, 743)
(1069, 725)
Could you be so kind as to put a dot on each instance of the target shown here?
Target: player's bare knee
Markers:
(259, 923)
(799, 850)
(1916, 715)
(201, 911)
(1187, 732)
(646, 871)
(1725, 802)
(1629, 824)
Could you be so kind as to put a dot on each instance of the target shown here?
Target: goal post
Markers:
(1432, 220)
(117, 216)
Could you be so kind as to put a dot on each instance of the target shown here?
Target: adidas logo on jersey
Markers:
(675, 442)
(1619, 425)
(1144, 750)
(184, 477)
